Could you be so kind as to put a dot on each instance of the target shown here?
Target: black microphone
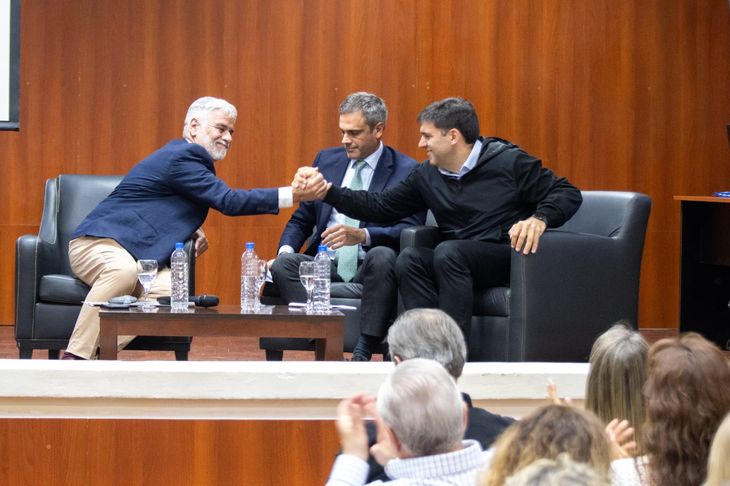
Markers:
(204, 300)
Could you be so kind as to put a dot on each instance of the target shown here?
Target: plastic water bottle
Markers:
(179, 278)
(249, 265)
(321, 295)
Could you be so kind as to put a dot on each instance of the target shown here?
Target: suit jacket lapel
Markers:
(383, 171)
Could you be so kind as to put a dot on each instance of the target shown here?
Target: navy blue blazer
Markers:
(311, 218)
(165, 198)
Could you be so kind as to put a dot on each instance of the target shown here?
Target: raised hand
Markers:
(351, 413)
(309, 185)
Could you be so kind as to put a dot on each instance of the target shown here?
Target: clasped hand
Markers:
(309, 185)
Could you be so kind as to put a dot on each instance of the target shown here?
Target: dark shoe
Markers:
(67, 355)
(359, 357)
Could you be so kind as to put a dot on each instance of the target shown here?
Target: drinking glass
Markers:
(146, 273)
(261, 271)
(306, 277)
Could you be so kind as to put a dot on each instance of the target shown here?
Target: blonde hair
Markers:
(545, 434)
(718, 465)
(616, 378)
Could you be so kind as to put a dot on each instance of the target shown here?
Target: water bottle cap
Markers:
(322, 248)
(249, 245)
(178, 246)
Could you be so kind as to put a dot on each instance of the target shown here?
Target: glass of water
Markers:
(146, 273)
(306, 277)
(262, 271)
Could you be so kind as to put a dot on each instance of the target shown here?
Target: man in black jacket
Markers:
(486, 195)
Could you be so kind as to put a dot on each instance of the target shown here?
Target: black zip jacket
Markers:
(506, 185)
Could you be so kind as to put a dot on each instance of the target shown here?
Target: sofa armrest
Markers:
(425, 236)
(26, 283)
(568, 293)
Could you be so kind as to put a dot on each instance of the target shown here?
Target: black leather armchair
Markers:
(584, 277)
(47, 294)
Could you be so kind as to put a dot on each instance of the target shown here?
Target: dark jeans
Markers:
(445, 277)
(376, 273)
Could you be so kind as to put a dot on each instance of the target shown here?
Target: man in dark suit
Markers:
(366, 253)
(164, 199)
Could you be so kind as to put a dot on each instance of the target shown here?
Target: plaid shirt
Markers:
(452, 468)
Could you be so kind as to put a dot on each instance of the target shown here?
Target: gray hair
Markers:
(419, 401)
(203, 107)
(372, 107)
(431, 334)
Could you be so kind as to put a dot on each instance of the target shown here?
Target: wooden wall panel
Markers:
(166, 452)
(614, 94)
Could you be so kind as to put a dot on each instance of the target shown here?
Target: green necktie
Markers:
(347, 255)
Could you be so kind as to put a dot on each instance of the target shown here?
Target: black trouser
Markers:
(376, 273)
(445, 277)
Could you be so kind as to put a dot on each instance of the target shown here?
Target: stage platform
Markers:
(247, 389)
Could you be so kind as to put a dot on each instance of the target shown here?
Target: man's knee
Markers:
(380, 256)
(122, 275)
(447, 255)
(286, 264)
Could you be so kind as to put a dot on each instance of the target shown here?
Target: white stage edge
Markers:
(248, 389)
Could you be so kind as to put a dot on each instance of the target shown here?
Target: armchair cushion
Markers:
(62, 289)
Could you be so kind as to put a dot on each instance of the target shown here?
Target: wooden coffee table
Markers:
(223, 320)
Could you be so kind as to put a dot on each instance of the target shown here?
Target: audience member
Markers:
(485, 194)
(687, 396)
(432, 334)
(545, 434)
(718, 464)
(164, 199)
(366, 252)
(420, 418)
(562, 471)
(616, 377)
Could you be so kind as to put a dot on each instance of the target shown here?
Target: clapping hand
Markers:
(351, 413)
(621, 434)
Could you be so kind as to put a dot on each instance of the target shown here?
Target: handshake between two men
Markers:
(309, 185)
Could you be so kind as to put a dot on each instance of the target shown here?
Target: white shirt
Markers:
(630, 471)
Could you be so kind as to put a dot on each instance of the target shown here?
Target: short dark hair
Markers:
(453, 113)
(372, 107)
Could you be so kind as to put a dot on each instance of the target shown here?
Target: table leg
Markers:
(108, 341)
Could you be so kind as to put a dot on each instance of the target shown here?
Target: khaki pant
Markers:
(110, 271)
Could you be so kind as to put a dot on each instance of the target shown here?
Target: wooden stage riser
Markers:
(166, 452)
